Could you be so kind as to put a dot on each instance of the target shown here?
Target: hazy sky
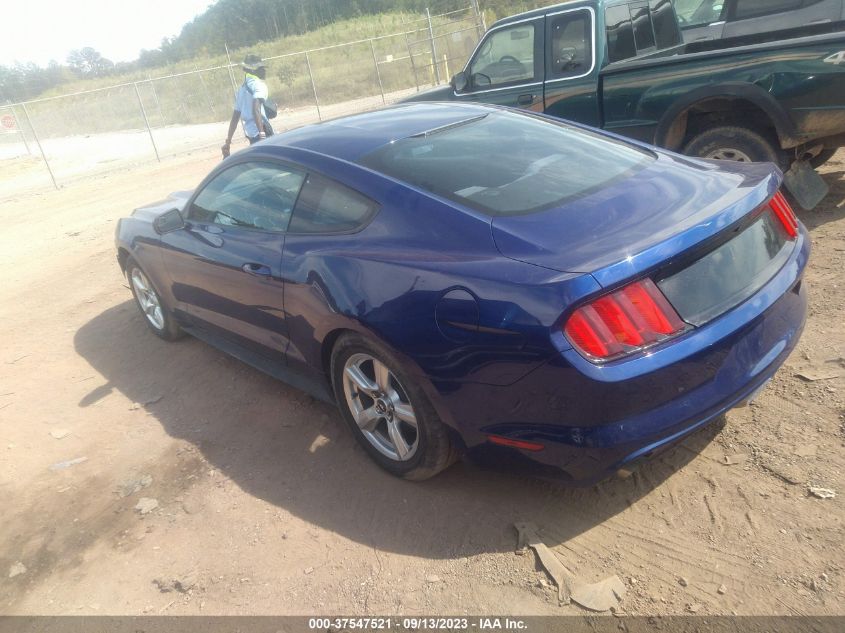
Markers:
(118, 29)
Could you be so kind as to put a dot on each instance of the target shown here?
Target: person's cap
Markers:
(253, 63)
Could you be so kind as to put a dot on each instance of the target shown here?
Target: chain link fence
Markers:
(52, 141)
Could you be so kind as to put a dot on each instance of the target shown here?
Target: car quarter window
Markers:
(640, 27)
(571, 44)
(507, 57)
(325, 206)
(746, 9)
(253, 195)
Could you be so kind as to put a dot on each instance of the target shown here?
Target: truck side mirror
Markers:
(459, 82)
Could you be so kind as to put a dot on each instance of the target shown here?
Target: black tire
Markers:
(434, 450)
(168, 329)
(746, 144)
(823, 156)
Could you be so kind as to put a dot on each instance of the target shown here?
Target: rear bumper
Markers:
(593, 422)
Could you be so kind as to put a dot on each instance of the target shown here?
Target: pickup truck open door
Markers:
(534, 63)
(507, 68)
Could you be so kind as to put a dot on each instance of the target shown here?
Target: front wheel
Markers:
(388, 413)
(149, 302)
(737, 144)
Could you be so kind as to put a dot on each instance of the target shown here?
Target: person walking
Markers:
(249, 104)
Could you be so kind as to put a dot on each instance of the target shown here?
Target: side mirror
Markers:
(459, 82)
(169, 221)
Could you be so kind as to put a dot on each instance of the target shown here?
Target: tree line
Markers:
(232, 23)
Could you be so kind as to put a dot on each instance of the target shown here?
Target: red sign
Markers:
(7, 121)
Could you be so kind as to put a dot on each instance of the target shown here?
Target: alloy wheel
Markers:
(381, 407)
(147, 298)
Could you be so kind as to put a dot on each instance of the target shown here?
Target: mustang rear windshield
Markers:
(505, 163)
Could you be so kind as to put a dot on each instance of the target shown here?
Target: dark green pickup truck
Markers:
(622, 65)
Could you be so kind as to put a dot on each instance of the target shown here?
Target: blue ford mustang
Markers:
(472, 279)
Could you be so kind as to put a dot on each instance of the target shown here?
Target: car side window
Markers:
(571, 44)
(507, 57)
(746, 9)
(325, 206)
(252, 195)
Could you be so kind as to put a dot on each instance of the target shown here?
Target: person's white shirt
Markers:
(252, 88)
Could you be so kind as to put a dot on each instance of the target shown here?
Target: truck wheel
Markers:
(738, 144)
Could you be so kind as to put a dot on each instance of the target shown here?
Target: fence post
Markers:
(313, 86)
(20, 130)
(433, 49)
(413, 64)
(479, 19)
(378, 73)
(147, 123)
(155, 97)
(38, 142)
(231, 74)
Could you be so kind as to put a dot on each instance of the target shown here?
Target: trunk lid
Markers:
(637, 223)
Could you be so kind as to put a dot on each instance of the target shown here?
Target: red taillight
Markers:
(624, 321)
(785, 214)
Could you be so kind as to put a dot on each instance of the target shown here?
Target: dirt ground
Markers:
(264, 504)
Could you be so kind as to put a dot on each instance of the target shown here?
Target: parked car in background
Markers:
(715, 19)
(467, 278)
(621, 65)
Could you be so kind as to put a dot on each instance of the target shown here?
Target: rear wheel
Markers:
(738, 144)
(388, 413)
(149, 302)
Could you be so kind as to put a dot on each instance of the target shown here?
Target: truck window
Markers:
(643, 33)
(699, 12)
(665, 24)
(506, 58)
(640, 27)
(620, 34)
(571, 44)
(746, 9)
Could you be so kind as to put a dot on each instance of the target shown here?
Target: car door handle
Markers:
(256, 269)
(525, 100)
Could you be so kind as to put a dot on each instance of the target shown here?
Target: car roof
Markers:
(349, 138)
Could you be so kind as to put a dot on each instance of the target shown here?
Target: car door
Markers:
(748, 17)
(325, 222)
(225, 264)
(702, 19)
(571, 72)
(508, 66)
